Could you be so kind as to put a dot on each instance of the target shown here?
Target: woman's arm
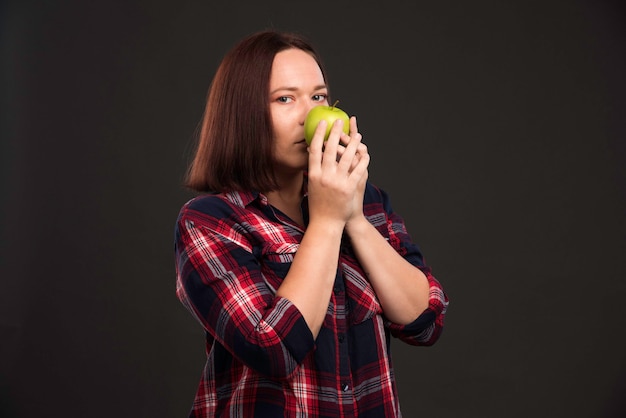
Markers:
(334, 175)
(404, 291)
(219, 281)
(401, 288)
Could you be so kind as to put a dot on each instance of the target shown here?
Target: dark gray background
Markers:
(497, 128)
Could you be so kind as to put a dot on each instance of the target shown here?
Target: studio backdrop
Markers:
(497, 128)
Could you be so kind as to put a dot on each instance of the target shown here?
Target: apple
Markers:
(328, 113)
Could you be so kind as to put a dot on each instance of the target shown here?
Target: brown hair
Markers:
(235, 143)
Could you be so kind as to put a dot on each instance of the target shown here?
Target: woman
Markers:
(295, 265)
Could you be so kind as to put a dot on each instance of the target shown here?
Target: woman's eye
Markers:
(319, 97)
(284, 99)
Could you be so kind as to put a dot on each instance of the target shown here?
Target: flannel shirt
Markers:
(232, 252)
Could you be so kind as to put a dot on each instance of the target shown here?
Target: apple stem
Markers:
(335, 104)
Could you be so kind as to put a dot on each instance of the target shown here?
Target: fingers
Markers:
(359, 170)
(353, 126)
(354, 149)
(360, 152)
(316, 147)
(349, 154)
(345, 139)
(341, 151)
(331, 147)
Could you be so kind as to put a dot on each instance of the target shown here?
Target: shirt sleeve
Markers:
(427, 327)
(219, 281)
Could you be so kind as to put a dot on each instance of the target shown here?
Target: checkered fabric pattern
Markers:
(232, 252)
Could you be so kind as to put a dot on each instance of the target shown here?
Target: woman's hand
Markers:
(337, 174)
(361, 153)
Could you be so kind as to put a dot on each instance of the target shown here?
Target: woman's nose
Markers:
(305, 110)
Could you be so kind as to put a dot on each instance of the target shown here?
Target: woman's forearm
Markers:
(311, 277)
(401, 288)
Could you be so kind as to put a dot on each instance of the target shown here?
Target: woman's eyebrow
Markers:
(319, 87)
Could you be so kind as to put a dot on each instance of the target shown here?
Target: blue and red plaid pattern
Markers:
(232, 252)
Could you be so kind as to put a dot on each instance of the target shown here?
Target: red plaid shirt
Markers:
(232, 252)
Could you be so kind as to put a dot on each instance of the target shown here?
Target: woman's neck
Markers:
(288, 197)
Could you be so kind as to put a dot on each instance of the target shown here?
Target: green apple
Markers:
(328, 113)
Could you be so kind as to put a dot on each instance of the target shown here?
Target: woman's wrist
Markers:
(357, 226)
(326, 225)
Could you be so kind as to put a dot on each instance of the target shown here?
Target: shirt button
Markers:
(345, 387)
(341, 338)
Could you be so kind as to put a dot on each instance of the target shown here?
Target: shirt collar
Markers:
(244, 198)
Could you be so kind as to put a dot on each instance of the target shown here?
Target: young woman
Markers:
(294, 264)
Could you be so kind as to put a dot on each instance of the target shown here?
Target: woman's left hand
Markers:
(361, 153)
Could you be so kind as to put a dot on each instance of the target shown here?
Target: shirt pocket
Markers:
(276, 260)
(363, 304)
(283, 252)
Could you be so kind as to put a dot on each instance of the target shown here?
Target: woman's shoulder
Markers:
(218, 204)
(206, 203)
(374, 193)
(376, 197)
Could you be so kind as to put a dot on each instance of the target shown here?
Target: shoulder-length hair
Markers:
(235, 142)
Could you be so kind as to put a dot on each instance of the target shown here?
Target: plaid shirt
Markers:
(232, 252)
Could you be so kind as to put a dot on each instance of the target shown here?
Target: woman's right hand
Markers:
(335, 174)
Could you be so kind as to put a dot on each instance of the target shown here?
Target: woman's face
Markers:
(296, 86)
